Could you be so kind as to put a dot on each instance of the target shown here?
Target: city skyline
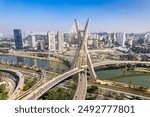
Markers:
(75, 66)
(45, 15)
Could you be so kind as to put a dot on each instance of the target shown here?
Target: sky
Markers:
(54, 15)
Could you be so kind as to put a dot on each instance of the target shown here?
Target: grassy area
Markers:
(58, 94)
(29, 82)
(92, 92)
(139, 90)
(3, 93)
(61, 92)
(144, 70)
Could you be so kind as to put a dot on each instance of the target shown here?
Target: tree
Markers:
(3, 93)
(92, 89)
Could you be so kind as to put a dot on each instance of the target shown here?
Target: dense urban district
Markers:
(78, 65)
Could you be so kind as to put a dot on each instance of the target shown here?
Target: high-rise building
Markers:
(42, 45)
(113, 37)
(95, 43)
(32, 42)
(1, 36)
(109, 40)
(147, 36)
(121, 38)
(18, 39)
(51, 41)
(130, 42)
(60, 37)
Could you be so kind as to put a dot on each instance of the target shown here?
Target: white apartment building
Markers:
(1, 36)
(51, 41)
(31, 41)
(60, 37)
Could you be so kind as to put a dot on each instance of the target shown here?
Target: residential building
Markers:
(51, 41)
(31, 41)
(60, 37)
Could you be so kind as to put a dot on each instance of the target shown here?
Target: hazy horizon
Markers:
(44, 15)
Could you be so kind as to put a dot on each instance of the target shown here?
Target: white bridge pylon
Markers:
(73, 28)
(82, 56)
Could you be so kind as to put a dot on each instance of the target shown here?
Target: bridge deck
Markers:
(82, 87)
(45, 87)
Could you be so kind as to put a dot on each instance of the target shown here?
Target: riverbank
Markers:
(141, 69)
(48, 73)
(19, 54)
(122, 87)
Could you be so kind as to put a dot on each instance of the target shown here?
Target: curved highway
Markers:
(48, 85)
(32, 88)
(19, 82)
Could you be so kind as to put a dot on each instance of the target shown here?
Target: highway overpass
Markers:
(19, 84)
(35, 94)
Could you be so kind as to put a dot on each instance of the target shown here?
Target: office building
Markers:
(18, 39)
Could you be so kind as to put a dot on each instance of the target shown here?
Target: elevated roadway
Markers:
(81, 90)
(82, 81)
(19, 85)
(19, 82)
(48, 85)
(39, 83)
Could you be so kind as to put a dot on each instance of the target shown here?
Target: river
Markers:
(49, 65)
(124, 76)
(119, 75)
